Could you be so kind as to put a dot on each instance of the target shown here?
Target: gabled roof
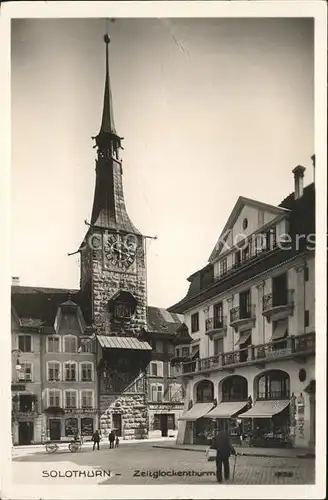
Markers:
(240, 204)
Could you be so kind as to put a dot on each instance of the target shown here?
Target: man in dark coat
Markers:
(111, 439)
(96, 440)
(222, 444)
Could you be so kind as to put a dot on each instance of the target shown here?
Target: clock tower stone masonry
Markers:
(113, 266)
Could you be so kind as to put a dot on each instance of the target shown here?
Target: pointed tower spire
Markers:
(108, 209)
(107, 124)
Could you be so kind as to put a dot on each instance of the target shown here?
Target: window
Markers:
(70, 372)
(25, 372)
(86, 426)
(54, 397)
(195, 322)
(159, 346)
(25, 343)
(237, 258)
(86, 399)
(218, 315)
(306, 318)
(53, 371)
(185, 352)
(70, 399)
(223, 266)
(71, 427)
(86, 372)
(53, 344)
(306, 273)
(156, 393)
(70, 344)
(175, 393)
(245, 223)
(245, 304)
(218, 346)
(156, 369)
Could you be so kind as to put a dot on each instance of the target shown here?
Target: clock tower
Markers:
(113, 267)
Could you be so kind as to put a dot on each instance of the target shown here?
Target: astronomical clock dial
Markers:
(120, 250)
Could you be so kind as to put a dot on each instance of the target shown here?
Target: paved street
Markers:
(186, 467)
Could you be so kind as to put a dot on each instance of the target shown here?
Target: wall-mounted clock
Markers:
(120, 250)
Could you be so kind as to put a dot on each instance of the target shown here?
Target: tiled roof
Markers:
(38, 303)
(161, 321)
(123, 343)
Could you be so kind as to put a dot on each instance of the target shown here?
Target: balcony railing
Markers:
(278, 299)
(280, 394)
(215, 323)
(292, 346)
(241, 313)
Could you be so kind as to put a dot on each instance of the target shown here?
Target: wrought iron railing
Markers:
(272, 395)
(283, 298)
(271, 350)
(239, 312)
(215, 323)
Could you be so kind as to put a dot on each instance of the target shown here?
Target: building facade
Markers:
(92, 347)
(246, 353)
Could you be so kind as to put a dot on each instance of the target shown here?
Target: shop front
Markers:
(200, 430)
(269, 419)
(67, 424)
(225, 418)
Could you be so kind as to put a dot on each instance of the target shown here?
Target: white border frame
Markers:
(302, 8)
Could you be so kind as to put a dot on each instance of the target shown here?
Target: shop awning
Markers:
(226, 410)
(243, 337)
(280, 330)
(197, 411)
(265, 409)
(122, 343)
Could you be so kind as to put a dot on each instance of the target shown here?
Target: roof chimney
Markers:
(15, 281)
(298, 176)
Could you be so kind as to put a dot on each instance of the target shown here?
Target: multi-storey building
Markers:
(25, 380)
(246, 353)
(93, 345)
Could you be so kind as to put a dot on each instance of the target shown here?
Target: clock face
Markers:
(120, 250)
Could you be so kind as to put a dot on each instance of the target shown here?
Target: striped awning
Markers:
(265, 409)
(123, 343)
(196, 411)
(226, 410)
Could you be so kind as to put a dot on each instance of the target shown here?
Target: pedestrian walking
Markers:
(111, 439)
(221, 443)
(96, 440)
(117, 442)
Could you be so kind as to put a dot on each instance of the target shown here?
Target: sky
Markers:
(210, 109)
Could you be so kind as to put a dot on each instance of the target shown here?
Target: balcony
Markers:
(216, 326)
(276, 306)
(292, 347)
(244, 317)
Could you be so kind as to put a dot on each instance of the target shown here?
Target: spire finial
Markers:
(107, 124)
